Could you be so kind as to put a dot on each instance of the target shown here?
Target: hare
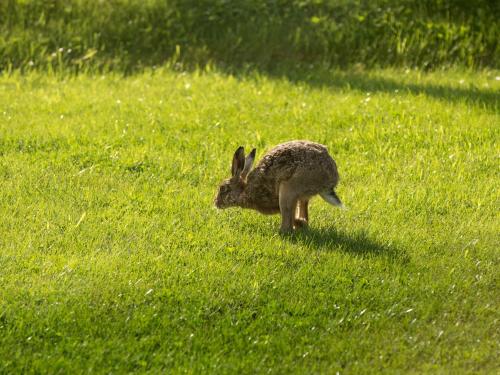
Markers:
(284, 181)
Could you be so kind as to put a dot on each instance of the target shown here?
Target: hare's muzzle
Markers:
(217, 202)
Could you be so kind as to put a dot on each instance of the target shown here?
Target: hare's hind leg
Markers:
(288, 205)
(302, 213)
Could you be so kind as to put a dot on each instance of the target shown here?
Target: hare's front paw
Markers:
(300, 223)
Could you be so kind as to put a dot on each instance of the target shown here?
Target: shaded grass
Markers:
(113, 259)
(460, 89)
(360, 244)
(130, 35)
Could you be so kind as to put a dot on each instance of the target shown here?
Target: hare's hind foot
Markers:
(299, 223)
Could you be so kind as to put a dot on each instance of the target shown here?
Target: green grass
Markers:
(129, 35)
(112, 258)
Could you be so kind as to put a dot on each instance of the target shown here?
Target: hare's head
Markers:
(230, 190)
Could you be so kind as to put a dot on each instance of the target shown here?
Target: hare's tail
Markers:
(331, 197)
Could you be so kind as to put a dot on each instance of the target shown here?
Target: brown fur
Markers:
(282, 182)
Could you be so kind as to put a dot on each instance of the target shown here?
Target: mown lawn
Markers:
(113, 259)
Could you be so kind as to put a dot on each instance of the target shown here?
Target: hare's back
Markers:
(299, 158)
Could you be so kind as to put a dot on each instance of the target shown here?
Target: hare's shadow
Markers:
(358, 243)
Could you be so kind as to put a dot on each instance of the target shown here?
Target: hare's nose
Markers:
(217, 203)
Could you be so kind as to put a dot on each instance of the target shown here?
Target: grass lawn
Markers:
(113, 259)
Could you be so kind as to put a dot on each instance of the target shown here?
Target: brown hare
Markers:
(284, 181)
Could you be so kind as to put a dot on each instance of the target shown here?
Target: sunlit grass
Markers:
(112, 258)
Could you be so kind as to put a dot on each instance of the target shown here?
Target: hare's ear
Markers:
(238, 162)
(248, 164)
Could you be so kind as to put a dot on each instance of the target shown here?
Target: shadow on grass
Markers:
(350, 80)
(358, 243)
